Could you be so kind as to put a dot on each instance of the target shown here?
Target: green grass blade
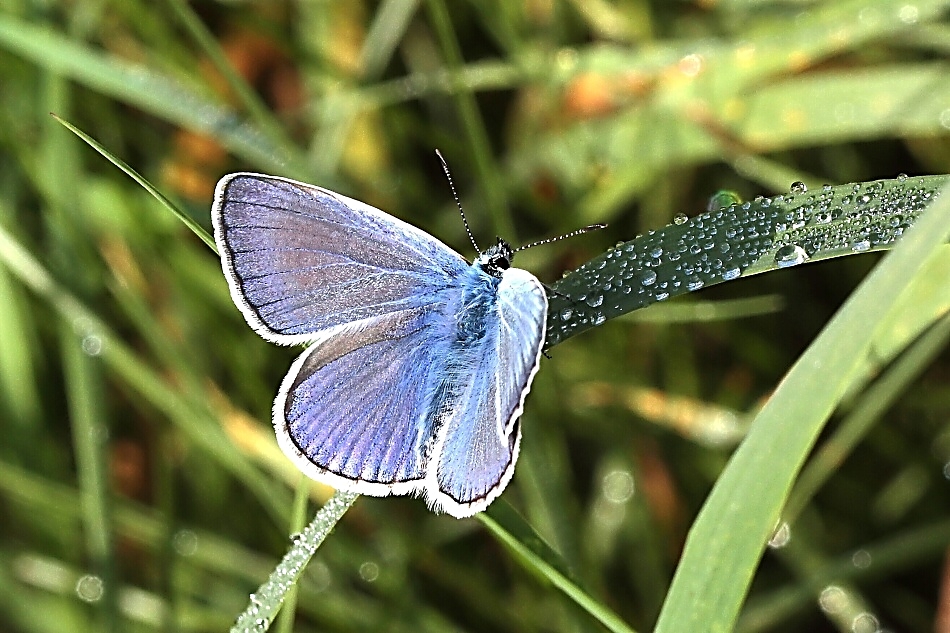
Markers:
(145, 88)
(729, 535)
(196, 228)
(509, 528)
(191, 417)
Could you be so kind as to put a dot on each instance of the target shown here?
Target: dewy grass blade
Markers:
(267, 600)
(737, 241)
(729, 536)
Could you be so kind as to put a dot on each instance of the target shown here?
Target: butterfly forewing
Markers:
(301, 259)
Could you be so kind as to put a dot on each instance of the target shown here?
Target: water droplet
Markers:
(618, 486)
(781, 536)
(901, 177)
(680, 218)
(648, 278)
(731, 274)
(185, 542)
(369, 571)
(662, 296)
(798, 187)
(861, 559)
(695, 284)
(90, 588)
(790, 255)
(599, 318)
(861, 245)
(566, 314)
(92, 345)
(833, 599)
(595, 301)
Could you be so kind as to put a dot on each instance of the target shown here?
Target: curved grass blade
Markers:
(196, 228)
(729, 536)
(267, 600)
(737, 241)
(509, 528)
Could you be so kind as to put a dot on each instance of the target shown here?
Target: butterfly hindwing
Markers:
(353, 411)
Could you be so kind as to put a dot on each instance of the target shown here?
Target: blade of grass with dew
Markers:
(729, 536)
(535, 555)
(298, 518)
(737, 241)
(267, 600)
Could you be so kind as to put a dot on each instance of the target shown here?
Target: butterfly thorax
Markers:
(497, 259)
(478, 299)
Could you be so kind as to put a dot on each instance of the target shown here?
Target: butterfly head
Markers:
(497, 259)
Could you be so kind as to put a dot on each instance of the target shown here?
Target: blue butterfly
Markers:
(418, 362)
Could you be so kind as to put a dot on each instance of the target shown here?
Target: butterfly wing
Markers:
(301, 260)
(478, 439)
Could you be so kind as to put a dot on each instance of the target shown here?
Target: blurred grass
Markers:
(135, 402)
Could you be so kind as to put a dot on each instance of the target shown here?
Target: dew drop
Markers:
(680, 218)
(185, 542)
(731, 274)
(859, 246)
(648, 278)
(798, 187)
(92, 345)
(781, 536)
(595, 301)
(90, 588)
(861, 559)
(566, 314)
(790, 255)
(369, 571)
(618, 486)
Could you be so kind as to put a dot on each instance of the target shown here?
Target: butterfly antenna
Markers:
(445, 168)
(586, 229)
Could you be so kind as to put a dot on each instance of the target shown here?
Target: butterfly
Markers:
(418, 362)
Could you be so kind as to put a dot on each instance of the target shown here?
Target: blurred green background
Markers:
(140, 484)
